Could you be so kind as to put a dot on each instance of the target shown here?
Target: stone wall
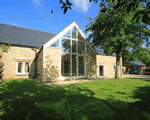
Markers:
(40, 64)
(51, 64)
(108, 62)
(14, 55)
(91, 66)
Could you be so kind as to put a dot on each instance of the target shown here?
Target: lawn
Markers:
(113, 99)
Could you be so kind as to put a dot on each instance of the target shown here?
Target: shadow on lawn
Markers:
(26, 100)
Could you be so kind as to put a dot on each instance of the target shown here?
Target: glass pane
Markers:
(81, 47)
(74, 46)
(56, 44)
(68, 34)
(74, 62)
(26, 67)
(74, 33)
(65, 45)
(88, 49)
(65, 64)
(114, 67)
(101, 70)
(81, 65)
(80, 36)
(20, 67)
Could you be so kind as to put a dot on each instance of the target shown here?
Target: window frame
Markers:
(23, 70)
(53, 43)
(71, 53)
(113, 67)
(103, 70)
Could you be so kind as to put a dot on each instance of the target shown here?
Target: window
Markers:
(74, 33)
(101, 70)
(81, 47)
(22, 68)
(73, 54)
(55, 44)
(65, 64)
(68, 34)
(65, 45)
(74, 47)
(114, 67)
(80, 37)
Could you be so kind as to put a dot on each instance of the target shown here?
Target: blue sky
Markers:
(36, 14)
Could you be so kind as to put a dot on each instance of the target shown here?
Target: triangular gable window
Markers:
(68, 34)
(80, 36)
(55, 44)
(74, 33)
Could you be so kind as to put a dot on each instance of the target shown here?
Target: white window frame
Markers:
(113, 67)
(23, 73)
(53, 43)
(103, 70)
(77, 54)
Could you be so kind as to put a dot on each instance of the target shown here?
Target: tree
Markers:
(4, 48)
(127, 5)
(142, 54)
(115, 31)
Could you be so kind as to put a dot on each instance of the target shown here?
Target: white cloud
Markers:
(36, 2)
(81, 5)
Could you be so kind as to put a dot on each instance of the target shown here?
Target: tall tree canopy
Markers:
(115, 31)
(127, 5)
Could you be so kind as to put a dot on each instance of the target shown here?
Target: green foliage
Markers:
(140, 54)
(65, 5)
(112, 99)
(125, 5)
(4, 47)
(115, 31)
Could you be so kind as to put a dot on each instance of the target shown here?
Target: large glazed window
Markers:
(81, 65)
(74, 33)
(65, 45)
(74, 65)
(74, 46)
(81, 47)
(68, 34)
(65, 64)
(73, 54)
(55, 44)
(80, 36)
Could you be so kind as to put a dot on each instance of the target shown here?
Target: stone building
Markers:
(47, 56)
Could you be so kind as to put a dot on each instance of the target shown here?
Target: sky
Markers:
(36, 14)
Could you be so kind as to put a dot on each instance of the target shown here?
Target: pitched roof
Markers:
(23, 36)
(101, 52)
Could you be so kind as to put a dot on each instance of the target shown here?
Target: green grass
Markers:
(113, 99)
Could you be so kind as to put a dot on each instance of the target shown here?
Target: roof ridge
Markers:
(27, 28)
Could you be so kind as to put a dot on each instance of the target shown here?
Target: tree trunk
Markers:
(117, 72)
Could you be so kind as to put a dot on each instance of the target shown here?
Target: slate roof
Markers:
(23, 36)
(137, 63)
(101, 52)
